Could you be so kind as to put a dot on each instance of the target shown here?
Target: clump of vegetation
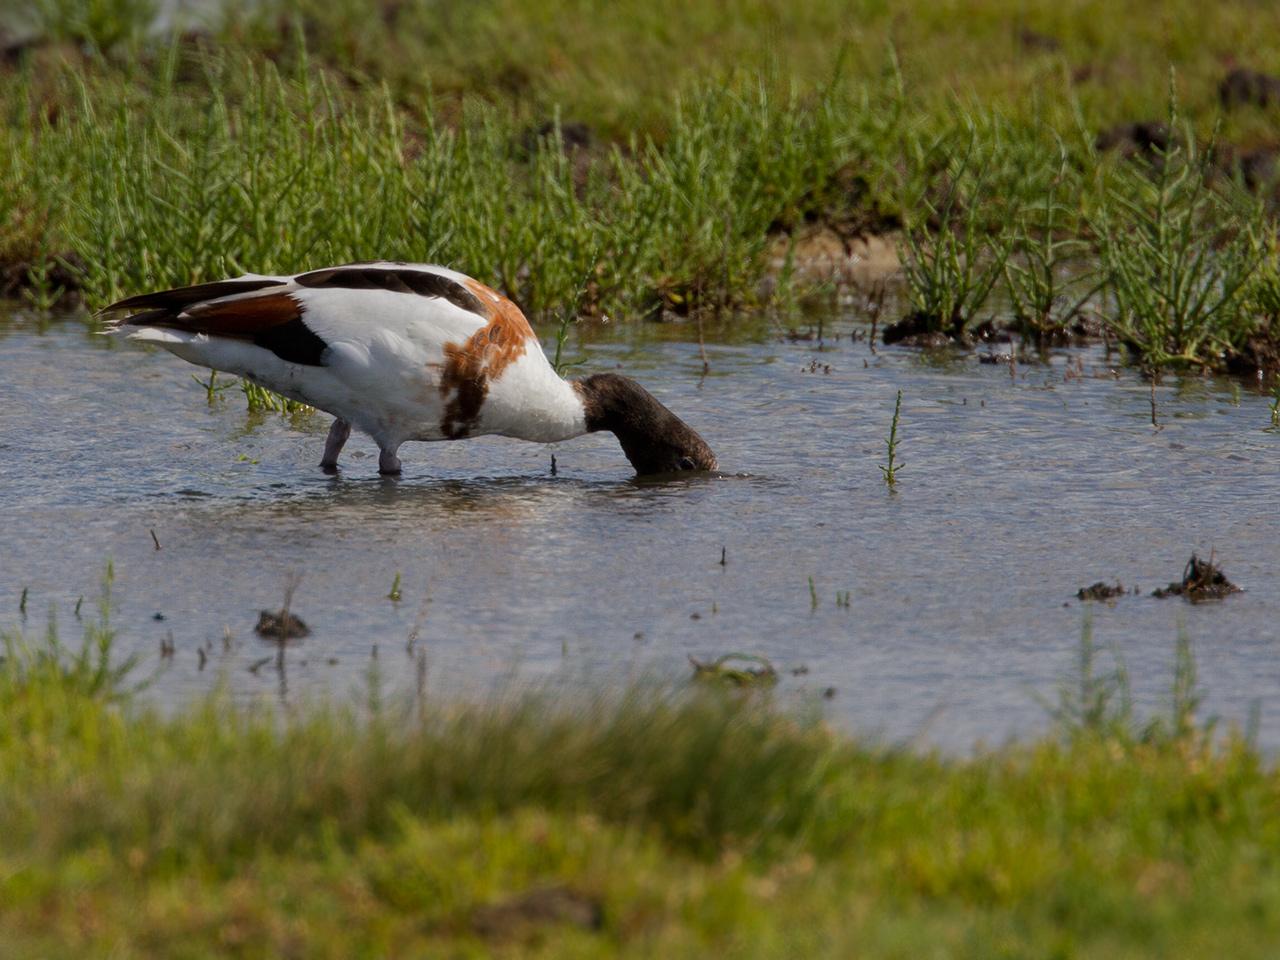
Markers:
(1092, 703)
(278, 175)
(953, 261)
(259, 399)
(1045, 300)
(1179, 254)
(608, 176)
(1201, 580)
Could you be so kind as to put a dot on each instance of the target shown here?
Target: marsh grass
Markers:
(275, 175)
(1179, 252)
(1032, 59)
(703, 818)
(295, 134)
(259, 399)
(891, 468)
(952, 260)
(1044, 297)
(1096, 702)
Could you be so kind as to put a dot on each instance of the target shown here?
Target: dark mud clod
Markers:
(567, 136)
(1035, 42)
(521, 916)
(1101, 591)
(280, 625)
(1243, 87)
(1146, 138)
(915, 329)
(1201, 580)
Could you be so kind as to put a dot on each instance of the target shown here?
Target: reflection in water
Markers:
(1018, 488)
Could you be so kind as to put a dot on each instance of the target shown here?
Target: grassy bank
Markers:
(655, 822)
(660, 161)
(615, 66)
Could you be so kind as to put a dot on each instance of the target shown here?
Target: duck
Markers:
(403, 352)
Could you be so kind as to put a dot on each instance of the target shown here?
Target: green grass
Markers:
(1179, 257)
(891, 468)
(275, 175)
(294, 133)
(673, 822)
(953, 259)
(615, 65)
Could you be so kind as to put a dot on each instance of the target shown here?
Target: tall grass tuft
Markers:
(952, 260)
(1044, 299)
(1179, 253)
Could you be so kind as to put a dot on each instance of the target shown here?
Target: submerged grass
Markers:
(657, 821)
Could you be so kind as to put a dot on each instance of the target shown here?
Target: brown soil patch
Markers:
(819, 254)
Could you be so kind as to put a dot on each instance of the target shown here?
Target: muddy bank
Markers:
(819, 254)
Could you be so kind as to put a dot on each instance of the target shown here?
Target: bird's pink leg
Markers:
(338, 434)
(388, 462)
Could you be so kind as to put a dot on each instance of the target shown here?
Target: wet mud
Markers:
(1101, 591)
(1202, 580)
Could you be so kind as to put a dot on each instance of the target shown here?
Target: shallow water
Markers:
(1017, 490)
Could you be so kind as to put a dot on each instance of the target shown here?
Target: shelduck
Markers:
(404, 351)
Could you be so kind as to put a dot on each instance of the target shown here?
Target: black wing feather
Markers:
(179, 298)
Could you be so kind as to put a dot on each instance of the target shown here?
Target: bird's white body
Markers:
(403, 351)
(385, 364)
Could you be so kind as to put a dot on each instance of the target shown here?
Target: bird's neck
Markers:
(653, 438)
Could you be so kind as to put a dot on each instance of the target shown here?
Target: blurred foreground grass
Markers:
(654, 822)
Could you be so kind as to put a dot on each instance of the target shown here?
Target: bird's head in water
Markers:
(654, 439)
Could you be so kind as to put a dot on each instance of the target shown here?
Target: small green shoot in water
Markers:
(813, 595)
(212, 389)
(891, 471)
(842, 599)
(22, 603)
(1275, 404)
(723, 671)
(394, 595)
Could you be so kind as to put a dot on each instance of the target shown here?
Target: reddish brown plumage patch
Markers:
(241, 316)
(470, 367)
(503, 315)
